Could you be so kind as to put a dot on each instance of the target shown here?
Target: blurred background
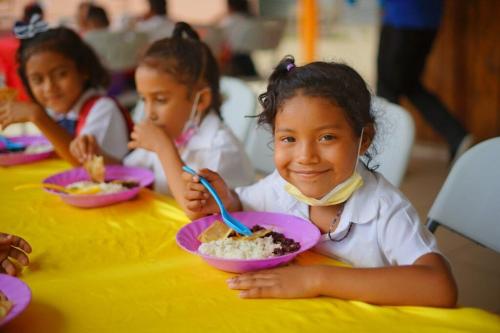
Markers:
(463, 70)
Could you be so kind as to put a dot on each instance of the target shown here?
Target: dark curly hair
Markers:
(66, 42)
(187, 59)
(337, 82)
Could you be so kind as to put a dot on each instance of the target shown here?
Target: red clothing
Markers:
(8, 65)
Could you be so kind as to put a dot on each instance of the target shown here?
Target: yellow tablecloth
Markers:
(118, 269)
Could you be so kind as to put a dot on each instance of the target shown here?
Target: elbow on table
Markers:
(445, 292)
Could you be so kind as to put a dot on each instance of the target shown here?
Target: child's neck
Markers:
(323, 216)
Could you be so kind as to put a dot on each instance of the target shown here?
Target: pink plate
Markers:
(21, 157)
(143, 176)
(300, 230)
(18, 293)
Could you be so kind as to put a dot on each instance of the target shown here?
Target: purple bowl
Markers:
(143, 176)
(7, 159)
(18, 293)
(300, 230)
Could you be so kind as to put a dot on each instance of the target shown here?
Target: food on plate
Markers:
(38, 148)
(5, 305)
(90, 187)
(219, 240)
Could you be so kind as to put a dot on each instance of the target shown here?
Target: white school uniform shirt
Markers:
(104, 121)
(386, 230)
(214, 146)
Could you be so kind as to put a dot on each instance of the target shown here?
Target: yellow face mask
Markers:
(338, 194)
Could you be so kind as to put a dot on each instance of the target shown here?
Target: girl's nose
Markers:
(307, 153)
(150, 112)
(48, 85)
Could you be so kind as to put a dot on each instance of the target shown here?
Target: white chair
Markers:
(469, 201)
(259, 147)
(394, 139)
(239, 103)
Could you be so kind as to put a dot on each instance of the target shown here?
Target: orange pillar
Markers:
(308, 28)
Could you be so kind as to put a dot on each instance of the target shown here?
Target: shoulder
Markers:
(377, 200)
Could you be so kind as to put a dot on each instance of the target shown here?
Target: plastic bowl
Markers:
(143, 176)
(17, 292)
(300, 230)
(7, 159)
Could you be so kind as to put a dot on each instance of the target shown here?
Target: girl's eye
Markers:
(327, 137)
(161, 100)
(61, 73)
(287, 139)
(35, 79)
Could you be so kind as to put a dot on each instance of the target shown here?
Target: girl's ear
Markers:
(366, 141)
(204, 101)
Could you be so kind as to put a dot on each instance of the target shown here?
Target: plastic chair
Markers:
(259, 147)
(239, 101)
(394, 139)
(469, 201)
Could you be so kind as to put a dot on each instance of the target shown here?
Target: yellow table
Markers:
(118, 269)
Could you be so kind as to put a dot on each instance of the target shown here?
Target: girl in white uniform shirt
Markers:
(320, 116)
(63, 76)
(178, 80)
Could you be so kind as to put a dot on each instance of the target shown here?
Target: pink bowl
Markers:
(8, 159)
(143, 176)
(17, 292)
(300, 230)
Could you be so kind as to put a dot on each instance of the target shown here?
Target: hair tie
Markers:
(31, 29)
(290, 66)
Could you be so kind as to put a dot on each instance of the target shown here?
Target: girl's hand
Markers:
(13, 247)
(198, 202)
(83, 147)
(18, 112)
(148, 136)
(285, 282)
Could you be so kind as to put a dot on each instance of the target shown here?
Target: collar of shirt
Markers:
(361, 208)
(203, 139)
(73, 113)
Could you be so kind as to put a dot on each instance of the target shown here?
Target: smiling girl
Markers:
(63, 76)
(322, 125)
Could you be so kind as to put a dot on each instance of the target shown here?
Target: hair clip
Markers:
(31, 29)
(290, 66)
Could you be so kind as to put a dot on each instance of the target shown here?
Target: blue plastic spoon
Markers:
(229, 220)
(11, 145)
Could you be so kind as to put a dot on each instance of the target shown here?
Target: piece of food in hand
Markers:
(5, 305)
(95, 168)
(7, 94)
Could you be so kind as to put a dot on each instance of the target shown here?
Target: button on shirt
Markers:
(386, 230)
(213, 146)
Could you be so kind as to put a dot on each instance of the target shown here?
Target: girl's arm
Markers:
(59, 138)
(428, 282)
(17, 112)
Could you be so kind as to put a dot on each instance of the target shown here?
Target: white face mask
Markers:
(338, 194)
(191, 125)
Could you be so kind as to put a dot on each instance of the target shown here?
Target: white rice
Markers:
(106, 188)
(229, 248)
(37, 149)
